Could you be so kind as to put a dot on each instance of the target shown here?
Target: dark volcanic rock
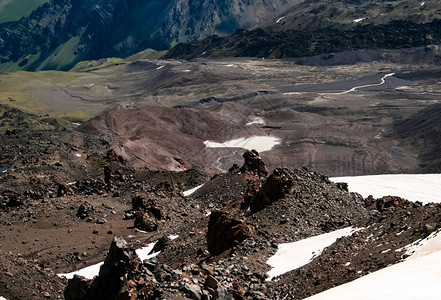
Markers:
(77, 288)
(144, 221)
(254, 164)
(85, 210)
(225, 232)
(387, 202)
(276, 186)
(114, 277)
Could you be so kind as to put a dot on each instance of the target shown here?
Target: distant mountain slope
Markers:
(316, 27)
(423, 130)
(292, 43)
(313, 14)
(62, 32)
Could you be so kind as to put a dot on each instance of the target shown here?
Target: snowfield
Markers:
(418, 277)
(259, 143)
(413, 187)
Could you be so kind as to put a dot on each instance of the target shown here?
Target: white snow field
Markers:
(413, 187)
(259, 143)
(418, 277)
(291, 256)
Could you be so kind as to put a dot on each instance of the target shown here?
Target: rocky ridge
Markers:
(226, 259)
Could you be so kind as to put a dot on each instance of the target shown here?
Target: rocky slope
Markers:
(61, 33)
(173, 138)
(66, 197)
(423, 131)
(294, 43)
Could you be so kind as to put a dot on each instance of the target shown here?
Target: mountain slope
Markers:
(312, 15)
(423, 130)
(317, 27)
(62, 32)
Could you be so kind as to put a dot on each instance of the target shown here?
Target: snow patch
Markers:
(280, 19)
(291, 256)
(358, 20)
(173, 236)
(191, 191)
(413, 187)
(256, 120)
(417, 277)
(259, 143)
(143, 253)
(87, 272)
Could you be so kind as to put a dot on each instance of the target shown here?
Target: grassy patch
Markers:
(89, 65)
(16, 88)
(146, 54)
(63, 57)
(13, 10)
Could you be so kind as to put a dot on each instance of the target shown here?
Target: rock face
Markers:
(254, 164)
(276, 186)
(225, 232)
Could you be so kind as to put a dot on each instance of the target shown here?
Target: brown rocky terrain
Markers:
(66, 196)
(70, 197)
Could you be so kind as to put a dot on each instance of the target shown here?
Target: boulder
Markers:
(193, 291)
(144, 221)
(278, 185)
(76, 288)
(226, 231)
(161, 244)
(146, 203)
(386, 202)
(114, 279)
(85, 210)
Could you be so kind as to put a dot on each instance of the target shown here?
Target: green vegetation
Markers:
(13, 118)
(63, 57)
(13, 10)
(17, 90)
(147, 54)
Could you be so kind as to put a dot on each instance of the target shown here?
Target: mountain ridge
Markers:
(61, 33)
